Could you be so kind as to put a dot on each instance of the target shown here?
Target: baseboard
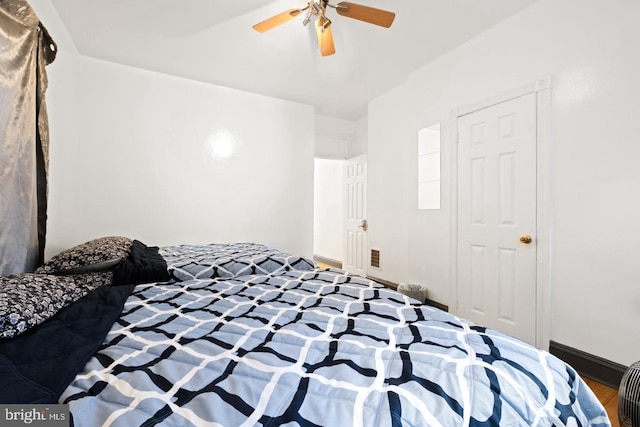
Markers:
(394, 286)
(387, 283)
(436, 304)
(332, 262)
(598, 369)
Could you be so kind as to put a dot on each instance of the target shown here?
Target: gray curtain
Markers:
(25, 49)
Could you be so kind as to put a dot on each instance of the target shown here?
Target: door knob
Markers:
(526, 239)
(363, 225)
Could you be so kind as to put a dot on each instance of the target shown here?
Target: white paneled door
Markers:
(497, 217)
(356, 222)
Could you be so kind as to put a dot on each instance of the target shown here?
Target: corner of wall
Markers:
(50, 18)
(333, 137)
(360, 144)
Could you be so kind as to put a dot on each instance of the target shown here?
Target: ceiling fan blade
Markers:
(365, 13)
(274, 21)
(325, 37)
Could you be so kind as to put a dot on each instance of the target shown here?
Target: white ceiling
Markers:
(212, 41)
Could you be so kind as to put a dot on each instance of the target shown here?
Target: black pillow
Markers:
(143, 265)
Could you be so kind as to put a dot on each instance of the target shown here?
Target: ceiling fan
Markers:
(317, 9)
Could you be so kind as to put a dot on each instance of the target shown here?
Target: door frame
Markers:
(542, 88)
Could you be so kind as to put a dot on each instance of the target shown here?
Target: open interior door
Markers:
(356, 241)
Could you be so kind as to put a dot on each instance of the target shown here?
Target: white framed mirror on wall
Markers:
(429, 142)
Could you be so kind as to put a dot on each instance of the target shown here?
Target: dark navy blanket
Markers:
(37, 366)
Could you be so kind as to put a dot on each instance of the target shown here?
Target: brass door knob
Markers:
(526, 239)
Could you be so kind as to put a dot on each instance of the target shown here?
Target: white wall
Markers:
(139, 163)
(129, 156)
(591, 50)
(329, 209)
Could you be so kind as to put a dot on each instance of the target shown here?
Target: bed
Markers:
(243, 335)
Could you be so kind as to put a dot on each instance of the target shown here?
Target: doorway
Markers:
(329, 208)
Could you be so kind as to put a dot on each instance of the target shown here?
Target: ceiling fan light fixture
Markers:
(318, 8)
(326, 22)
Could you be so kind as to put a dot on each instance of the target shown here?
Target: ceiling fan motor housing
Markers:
(629, 397)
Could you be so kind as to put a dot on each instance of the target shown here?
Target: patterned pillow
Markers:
(100, 254)
(27, 300)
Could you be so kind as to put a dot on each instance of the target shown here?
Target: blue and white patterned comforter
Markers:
(186, 262)
(315, 348)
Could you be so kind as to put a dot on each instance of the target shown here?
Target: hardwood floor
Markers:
(608, 397)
